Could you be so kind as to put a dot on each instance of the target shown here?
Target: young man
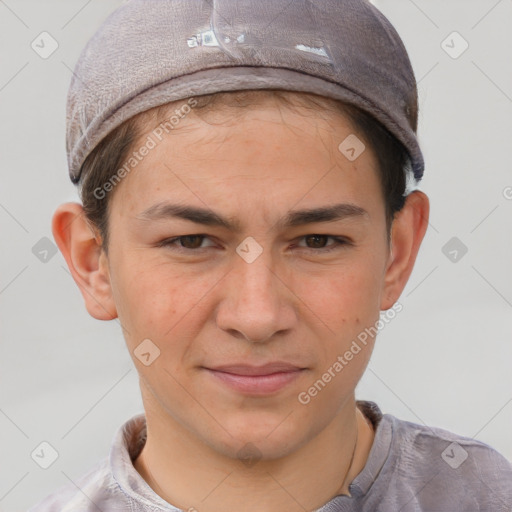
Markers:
(278, 136)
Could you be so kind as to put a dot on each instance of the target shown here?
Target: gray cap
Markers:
(151, 52)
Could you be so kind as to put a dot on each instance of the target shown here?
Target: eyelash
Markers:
(340, 242)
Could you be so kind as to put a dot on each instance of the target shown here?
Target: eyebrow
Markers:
(336, 212)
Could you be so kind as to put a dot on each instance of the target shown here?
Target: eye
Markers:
(190, 243)
(184, 243)
(318, 242)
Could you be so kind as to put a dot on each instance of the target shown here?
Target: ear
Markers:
(87, 262)
(408, 230)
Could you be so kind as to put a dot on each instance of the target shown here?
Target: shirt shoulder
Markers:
(436, 469)
(93, 491)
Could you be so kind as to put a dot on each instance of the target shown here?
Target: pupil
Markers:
(192, 237)
(316, 237)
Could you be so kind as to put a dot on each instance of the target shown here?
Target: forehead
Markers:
(267, 154)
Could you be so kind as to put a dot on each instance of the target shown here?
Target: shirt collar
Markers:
(126, 446)
(131, 436)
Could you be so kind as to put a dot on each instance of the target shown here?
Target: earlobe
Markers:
(409, 228)
(87, 262)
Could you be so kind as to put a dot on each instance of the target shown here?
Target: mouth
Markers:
(256, 380)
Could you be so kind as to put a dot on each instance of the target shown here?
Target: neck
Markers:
(192, 476)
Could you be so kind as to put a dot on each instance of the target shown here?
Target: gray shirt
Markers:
(410, 468)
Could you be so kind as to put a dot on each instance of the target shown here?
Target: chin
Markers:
(259, 436)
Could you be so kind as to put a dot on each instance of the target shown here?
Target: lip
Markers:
(256, 380)
(256, 371)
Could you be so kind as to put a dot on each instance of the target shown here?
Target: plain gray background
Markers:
(445, 360)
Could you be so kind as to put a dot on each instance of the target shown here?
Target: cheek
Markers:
(345, 297)
(142, 295)
(348, 305)
(157, 301)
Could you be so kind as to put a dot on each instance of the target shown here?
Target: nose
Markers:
(257, 304)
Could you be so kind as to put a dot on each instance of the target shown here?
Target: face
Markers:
(248, 301)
